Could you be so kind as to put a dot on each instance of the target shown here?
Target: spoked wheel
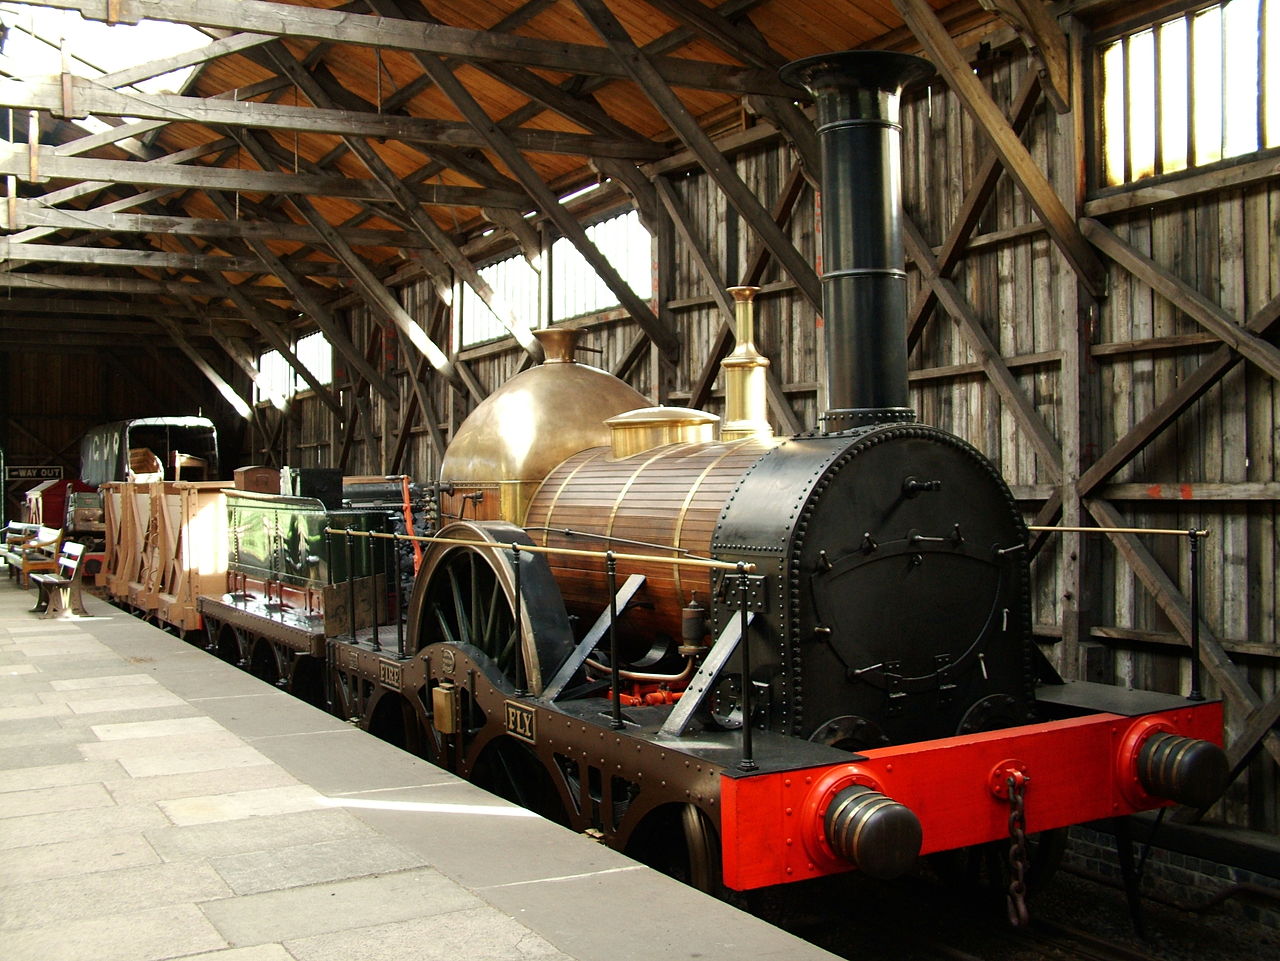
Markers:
(471, 600)
(466, 595)
(512, 771)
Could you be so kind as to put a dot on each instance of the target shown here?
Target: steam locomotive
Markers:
(747, 660)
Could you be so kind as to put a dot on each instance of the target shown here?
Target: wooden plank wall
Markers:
(1214, 469)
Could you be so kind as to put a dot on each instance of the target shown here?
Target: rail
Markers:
(1194, 536)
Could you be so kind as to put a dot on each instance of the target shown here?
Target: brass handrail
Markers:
(706, 563)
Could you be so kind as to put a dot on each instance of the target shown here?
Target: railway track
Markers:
(1073, 919)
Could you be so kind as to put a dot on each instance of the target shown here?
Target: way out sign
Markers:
(45, 472)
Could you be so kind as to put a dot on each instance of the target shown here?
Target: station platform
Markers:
(157, 803)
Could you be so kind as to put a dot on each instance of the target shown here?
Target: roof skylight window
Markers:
(39, 43)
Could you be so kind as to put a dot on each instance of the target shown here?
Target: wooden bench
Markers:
(60, 591)
(15, 532)
(37, 553)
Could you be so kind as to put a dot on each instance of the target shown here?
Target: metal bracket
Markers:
(727, 590)
(630, 587)
(724, 647)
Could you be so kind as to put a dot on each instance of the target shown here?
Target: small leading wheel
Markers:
(681, 841)
(465, 594)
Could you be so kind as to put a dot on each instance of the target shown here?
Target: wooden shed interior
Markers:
(335, 235)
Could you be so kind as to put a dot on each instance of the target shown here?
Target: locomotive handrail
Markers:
(706, 563)
(1194, 537)
(1123, 530)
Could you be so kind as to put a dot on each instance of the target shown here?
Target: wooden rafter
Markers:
(240, 405)
(250, 181)
(308, 298)
(90, 98)
(271, 333)
(383, 299)
(641, 69)
(32, 213)
(547, 201)
(254, 16)
(1044, 40)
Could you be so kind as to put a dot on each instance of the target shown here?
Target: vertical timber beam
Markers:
(1077, 658)
(928, 29)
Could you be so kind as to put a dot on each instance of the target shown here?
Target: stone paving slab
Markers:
(51, 800)
(74, 771)
(220, 839)
(76, 825)
(328, 908)
(48, 861)
(165, 787)
(313, 862)
(157, 935)
(156, 804)
(478, 933)
(109, 892)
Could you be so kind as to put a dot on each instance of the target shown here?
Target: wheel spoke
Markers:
(491, 611)
(505, 657)
(442, 622)
(477, 626)
(459, 605)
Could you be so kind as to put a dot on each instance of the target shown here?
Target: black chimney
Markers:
(864, 281)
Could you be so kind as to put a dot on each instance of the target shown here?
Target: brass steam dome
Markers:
(533, 422)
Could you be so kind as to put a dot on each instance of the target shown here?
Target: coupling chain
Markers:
(1019, 917)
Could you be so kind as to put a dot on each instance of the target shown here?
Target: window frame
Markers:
(1095, 146)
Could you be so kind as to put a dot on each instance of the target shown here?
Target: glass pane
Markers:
(316, 354)
(1142, 105)
(1173, 95)
(1206, 51)
(624, 242)
(515, 285)
(1240, 96)
(1113, 113)
(1271, 61)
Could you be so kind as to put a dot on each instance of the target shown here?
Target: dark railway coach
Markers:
(744, 659)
